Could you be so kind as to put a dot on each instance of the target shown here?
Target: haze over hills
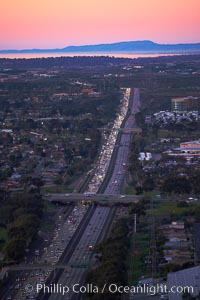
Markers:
(131, 46)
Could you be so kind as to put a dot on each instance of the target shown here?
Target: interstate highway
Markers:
(115, 183)
(101, 214)
(82, 254)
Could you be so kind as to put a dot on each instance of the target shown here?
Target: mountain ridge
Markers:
(130, 46)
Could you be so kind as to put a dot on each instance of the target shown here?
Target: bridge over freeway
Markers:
(43, 266)
(134, 129)
(99, 198)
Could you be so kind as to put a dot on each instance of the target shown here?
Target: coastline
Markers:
(75, 54)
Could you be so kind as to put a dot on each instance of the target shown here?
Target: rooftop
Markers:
(197, 142)
(187, 277)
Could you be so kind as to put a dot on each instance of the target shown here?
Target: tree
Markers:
(195, 182)
(138, 208)
(3, 195)
(138, 190)
(148, 184)
(187, 296)
(15, 249)
(58, 180)
(25, 227)
(177, 185)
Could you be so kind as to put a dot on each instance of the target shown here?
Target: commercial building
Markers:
(185, 103)
(191, 144)
(187, 149)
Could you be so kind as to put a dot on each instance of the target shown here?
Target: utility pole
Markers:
(135, 223)
(153, 248)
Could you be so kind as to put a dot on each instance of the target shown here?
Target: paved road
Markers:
(82, 253)
(116, 181)
(92, 233)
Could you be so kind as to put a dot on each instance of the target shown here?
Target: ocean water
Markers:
(74, 54)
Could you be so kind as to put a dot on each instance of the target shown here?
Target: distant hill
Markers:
(135, 46)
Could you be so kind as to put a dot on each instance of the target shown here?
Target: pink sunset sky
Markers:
(60, 23)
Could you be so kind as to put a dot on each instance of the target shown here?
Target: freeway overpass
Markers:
(134, 129)
(99, 198)
(37, 266)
